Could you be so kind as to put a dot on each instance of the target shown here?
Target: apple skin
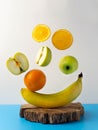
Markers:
(17, 64)
(68, 64)
(44, 56)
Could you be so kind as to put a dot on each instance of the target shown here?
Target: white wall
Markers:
(17, 19)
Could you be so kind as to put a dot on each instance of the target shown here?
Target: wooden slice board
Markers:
(69, 113)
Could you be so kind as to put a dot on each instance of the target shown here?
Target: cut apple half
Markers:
(44, 56)
(17, 64)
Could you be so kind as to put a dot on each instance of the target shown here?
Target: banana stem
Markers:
(80, 75)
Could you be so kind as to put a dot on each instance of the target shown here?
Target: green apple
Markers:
(17, 64)
(44, 56)
(68, 64)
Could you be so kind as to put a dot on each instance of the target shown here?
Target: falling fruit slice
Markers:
(44, 56)
(17, 64)
(41, 33)
(62, 39)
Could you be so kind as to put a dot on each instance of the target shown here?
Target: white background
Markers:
(17, 19)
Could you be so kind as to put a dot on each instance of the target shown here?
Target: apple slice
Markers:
(68, 64)
(17, 64)
(44, 56)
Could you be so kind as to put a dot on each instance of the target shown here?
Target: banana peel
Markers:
(54, 100)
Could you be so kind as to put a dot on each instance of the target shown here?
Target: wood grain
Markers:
(68, 113)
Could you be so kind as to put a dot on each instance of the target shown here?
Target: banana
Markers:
(56, 99)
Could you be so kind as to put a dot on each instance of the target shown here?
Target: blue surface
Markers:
(10, 120)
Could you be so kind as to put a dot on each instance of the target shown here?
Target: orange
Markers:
(35, 79)
(62, 39)
(41, 33)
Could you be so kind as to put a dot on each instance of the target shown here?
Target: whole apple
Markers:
(68, 64)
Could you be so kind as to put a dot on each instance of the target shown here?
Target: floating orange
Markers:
(35, 80)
